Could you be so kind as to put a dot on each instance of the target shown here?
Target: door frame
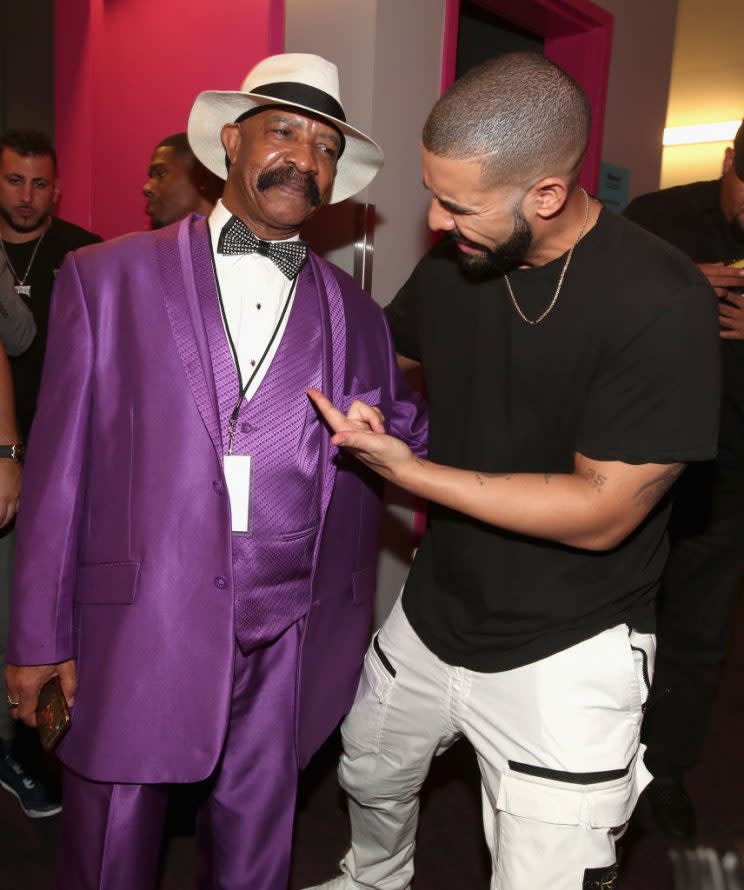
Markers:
(577, 36)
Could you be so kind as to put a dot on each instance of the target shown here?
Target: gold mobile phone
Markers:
(52, 714)
(738, 264)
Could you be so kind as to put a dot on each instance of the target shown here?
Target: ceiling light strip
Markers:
(724, 131)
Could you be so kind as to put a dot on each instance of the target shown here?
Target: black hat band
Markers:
(302, 94)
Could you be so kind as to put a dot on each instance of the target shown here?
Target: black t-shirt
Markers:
(59, 239)
(606, 374)
(690, 218)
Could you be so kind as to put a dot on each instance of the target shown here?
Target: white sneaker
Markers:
(339, 883)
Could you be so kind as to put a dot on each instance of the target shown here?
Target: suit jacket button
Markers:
(218, 487)
(220, 582)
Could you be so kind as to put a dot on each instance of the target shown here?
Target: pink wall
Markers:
(577, 36)
(127, 73)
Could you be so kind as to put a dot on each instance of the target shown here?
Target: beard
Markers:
(504, 257)
(737, 227)
(24, 226)
(284, 175)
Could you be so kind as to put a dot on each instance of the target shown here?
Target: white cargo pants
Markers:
(557, 743)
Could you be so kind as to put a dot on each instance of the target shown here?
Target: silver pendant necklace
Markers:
(20, 283)
(534, 321)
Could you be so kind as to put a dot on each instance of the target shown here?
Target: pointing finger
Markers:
(334, 418)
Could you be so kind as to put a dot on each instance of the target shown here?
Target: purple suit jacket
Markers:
(124, 541)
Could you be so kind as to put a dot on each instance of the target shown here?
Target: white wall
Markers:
(389, 58)
(388, 53)
(707, 84)
(640, 70)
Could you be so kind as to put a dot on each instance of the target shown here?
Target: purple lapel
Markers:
(185, 261)
(334, 357)
(181, 280)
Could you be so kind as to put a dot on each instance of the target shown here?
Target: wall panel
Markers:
(127, 73)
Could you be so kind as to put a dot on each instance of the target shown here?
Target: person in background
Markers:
(33, 244)
(561, 414)
(705, 220)
(196, 562)
(178, 184)
(32, 795)
(17, 325)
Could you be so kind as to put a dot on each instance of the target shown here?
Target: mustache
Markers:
(461, 239)
(287, 175)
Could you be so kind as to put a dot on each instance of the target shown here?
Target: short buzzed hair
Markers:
(520, 114)
(29, 143)
(180, 144)
(206, 182)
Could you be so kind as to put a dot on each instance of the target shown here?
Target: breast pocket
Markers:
(360, 393)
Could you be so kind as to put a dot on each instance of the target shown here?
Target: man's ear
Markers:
(56, 189)
(231, 138)
(548, 196)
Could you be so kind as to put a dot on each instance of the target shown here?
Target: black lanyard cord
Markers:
(243, 390)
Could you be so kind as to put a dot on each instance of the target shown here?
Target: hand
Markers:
(23, 684)
(731, 316)
(722, 277)
(10, 489)
(362, 433)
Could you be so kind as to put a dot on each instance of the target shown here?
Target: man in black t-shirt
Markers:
(700, 581)
(554, 340)
(33, 244)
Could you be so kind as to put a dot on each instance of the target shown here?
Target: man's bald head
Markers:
(520, 114)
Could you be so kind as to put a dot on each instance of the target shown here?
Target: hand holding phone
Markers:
(52, 714)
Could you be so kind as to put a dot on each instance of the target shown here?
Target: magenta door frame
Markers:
(127, 72)
(577, 35)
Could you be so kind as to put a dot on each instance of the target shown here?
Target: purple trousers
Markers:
(111, 835)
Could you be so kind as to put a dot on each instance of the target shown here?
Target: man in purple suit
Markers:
(196, 561)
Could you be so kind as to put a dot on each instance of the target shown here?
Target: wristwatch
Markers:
(14, 452)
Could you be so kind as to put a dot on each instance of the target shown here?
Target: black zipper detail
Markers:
(644, 673)
(383, 658)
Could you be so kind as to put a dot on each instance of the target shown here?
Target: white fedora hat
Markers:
(299, 80)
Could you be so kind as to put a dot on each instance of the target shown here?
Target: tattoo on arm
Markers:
(651, 492)
(481, 477)
(595, 479)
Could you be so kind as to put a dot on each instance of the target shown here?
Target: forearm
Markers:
(594, 508)
(566, 508)
(8, 425)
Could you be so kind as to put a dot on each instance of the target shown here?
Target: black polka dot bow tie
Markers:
(236, 238)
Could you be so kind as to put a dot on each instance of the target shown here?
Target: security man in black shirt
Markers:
(706, 221)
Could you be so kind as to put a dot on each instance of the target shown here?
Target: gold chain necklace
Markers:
(534, 321)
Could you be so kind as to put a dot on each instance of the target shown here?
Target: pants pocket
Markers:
(643, 648)
(363, 726)
(550, 833)
(595, 800)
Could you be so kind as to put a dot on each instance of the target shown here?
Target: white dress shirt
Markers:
(254, 292)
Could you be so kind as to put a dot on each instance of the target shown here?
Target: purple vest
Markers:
(272, 563)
